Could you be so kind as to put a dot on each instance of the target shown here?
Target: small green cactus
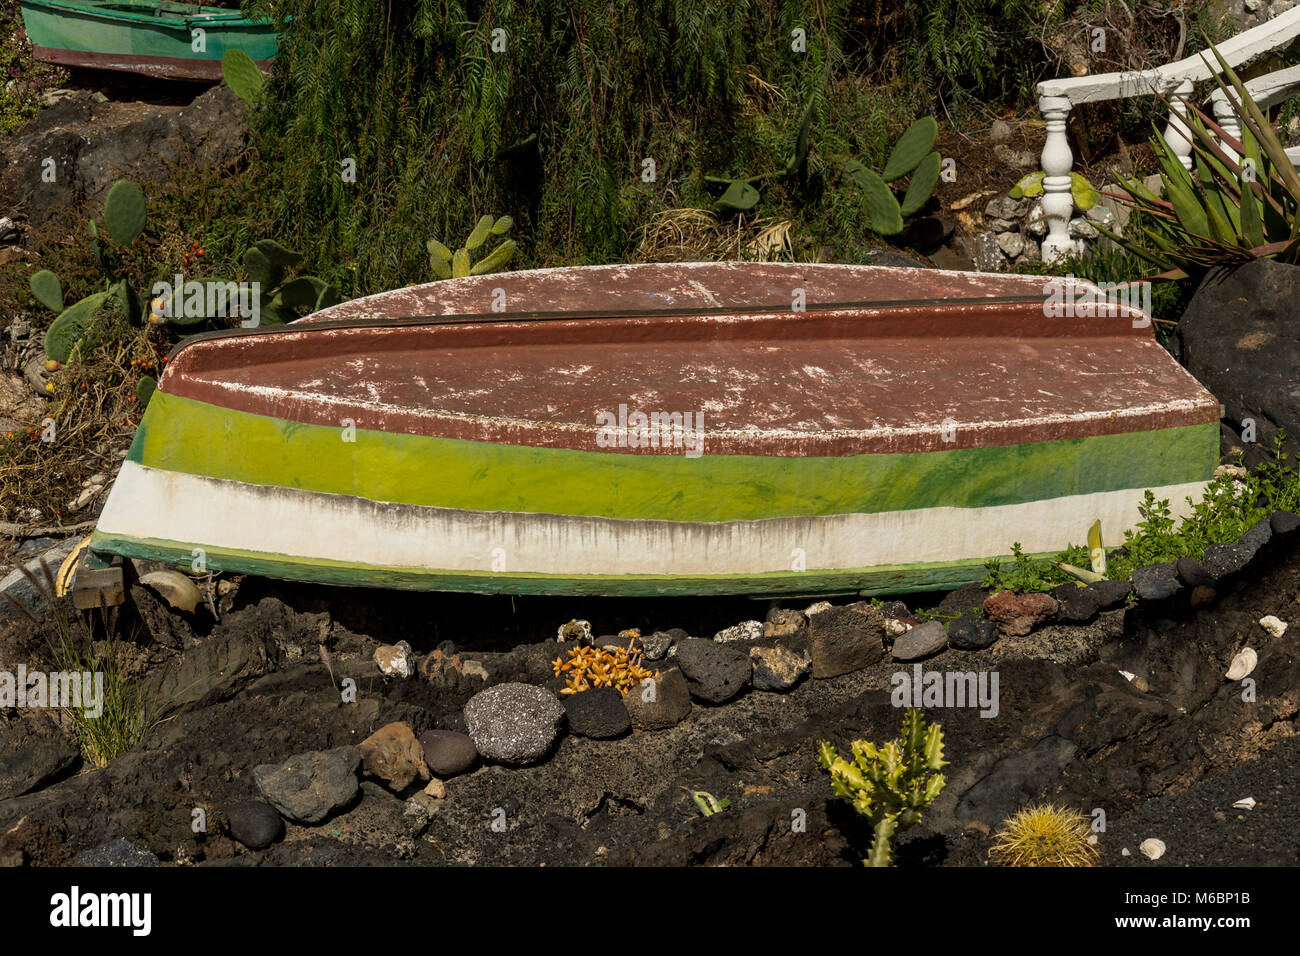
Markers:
(67, 330)
(455, 265)
(242, 75)
(47, 289)
(124, 212)
(889, 785)
(913, 153)
(145, 388)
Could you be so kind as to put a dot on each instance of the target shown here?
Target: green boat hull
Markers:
(167, 40)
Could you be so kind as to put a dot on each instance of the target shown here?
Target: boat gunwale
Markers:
(530, 316)
(225, 18)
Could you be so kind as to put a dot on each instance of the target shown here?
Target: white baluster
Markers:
(1057, 162)
(1177, 134)
(1226, 115)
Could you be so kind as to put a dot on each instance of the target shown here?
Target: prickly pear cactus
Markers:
(889, 785)
(455, 265)
(883, 212)
(67, 330)
(913, 153)
(47, 289)
(145, 388)
(242, 75)
(912, 147)
(124, 212)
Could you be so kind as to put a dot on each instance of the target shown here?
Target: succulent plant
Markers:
(456, 265)
(889, 785)
(266, 262)
(124, 220)
(741, 194)
(1243, 203)
(145, 388)
(1045, 835)
(242, 75)
(913, 153)
(1084, 193)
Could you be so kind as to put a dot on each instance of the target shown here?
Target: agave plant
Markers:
(913, 153)
(1242, 203)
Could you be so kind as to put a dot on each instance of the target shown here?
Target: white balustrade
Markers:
(1176, 81)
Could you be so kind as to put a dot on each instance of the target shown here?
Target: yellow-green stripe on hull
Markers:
(198, 438)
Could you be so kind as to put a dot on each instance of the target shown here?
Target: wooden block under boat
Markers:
(863, 429)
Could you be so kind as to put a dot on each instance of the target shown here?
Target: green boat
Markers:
(181, 41)
(675, 428)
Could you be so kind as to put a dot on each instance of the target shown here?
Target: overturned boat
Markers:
(696, 428)
(158, 38)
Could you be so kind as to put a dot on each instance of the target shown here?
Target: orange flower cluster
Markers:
(591, 667)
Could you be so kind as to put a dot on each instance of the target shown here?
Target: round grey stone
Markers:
(514, 723)
(921, 641)
(448, 752)
(255, 824)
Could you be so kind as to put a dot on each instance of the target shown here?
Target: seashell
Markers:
(175, 588)
(1274, 625)
(1245, 803)
(1242, 664)
(1152, 848)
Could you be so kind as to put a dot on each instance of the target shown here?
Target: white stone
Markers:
(1152, 848)
(1035, 225)
(1245, 803)
(1081, 228)
(744, 631)
(1011, 244)
(395, 660)
(1274, 625)
(894, 627)
(1242, 664)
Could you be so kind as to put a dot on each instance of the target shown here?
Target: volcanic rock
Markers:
(393, 755)
(514, 723)
(845, 639)
(778, 669)
(1017, 614)
(308, 787)
(660, 704)
(972, 632)
(714, 672)
(598, 713)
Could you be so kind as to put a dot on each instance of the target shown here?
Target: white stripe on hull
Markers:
(222, 514)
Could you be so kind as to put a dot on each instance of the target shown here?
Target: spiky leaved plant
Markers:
(1243, 202)
(889, 785)
(1045, 835)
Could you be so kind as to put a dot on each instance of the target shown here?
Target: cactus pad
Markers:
(124, 212)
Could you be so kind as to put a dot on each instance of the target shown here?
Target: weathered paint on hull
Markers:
(444, 449)
(159, 67)
(153, 39)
